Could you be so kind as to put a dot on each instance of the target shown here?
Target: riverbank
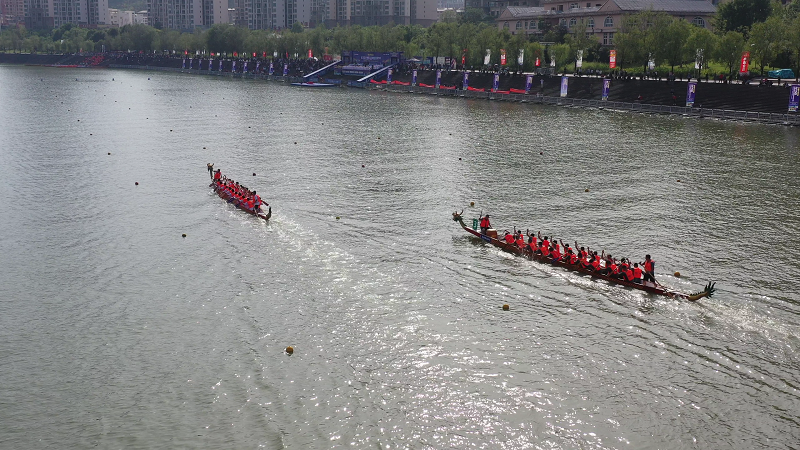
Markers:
(747, 102)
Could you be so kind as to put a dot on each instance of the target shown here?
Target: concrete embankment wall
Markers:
(713, 100)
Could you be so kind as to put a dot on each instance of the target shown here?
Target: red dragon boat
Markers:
(653, 288)
(239, 204)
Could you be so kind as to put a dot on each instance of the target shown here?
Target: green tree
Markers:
(740, 15)
(673, 46)
(297, 27)
(701, 42)
(767, 40)
(729, 50)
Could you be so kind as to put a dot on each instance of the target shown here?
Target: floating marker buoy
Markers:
(79, 120)
(379, 137)
(677, 274)
(183, 235)
(295, 143)
(137, 183)
(586, 190)
(248, 127)
(362, 166)
(541, 153)
(204, 148)
(254, 174)
(147, 78)
(289, 350)
(337, 217)
(471, 203)
(451, 134)
(170, 131)
(459, 159)
(90, 134)
(505, 307)
(679, 181)
(109, 153)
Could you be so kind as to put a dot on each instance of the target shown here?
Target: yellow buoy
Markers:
(337, 217)
(505, 308)
(471, 203)
(677, 274)
(289, 350)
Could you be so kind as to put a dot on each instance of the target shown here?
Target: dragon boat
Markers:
(653, 288)
(240, 204)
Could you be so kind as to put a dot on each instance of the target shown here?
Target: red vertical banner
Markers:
(745, 62)
(612, 59)
(464, 57)
(538, 62)
(502, 57)
(310, 54)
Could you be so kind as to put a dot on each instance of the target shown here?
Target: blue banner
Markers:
(271, 68)
(466, 80)
(220, 65)
(691, 90)
(389, 76)
(285, 69)
(184, 64)
(564, 86)
(794, 97)
(233, 67)
(210, 65)
(258, 64)
(528, 83)
(606, 88)
(244, 70)
(414, 77)
(496, 82)
(438, 78)
(190, 63)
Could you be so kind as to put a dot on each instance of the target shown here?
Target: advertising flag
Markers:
(691, 90)
(220, 65)
(564, 86)
(414, 77)
(184, 64)
(502, 57)
(464, 57)
(698, 58)
(651, 62)
(794, 97)
(275, 54)
(271, 68)
(310, 54)
(612, 59)
(579, 59)
(552, 60)
(521, 57)
(745, 62)
(389, 76)
(496, 82)
(606, 88)
(258, 65)
(488, 57)
(210, 65)
(233, 67)
(285, 69)
(466, 80)
(438, 78)
(528, 83)
(244, 69)
(538, 62)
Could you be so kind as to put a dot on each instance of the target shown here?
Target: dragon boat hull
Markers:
(224, 195)
(644, 286)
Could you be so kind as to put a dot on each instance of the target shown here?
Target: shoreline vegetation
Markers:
(644, 42)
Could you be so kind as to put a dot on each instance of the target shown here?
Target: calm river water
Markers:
(116, 332)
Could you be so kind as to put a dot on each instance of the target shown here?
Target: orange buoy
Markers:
(290, 350)
(677, 274)
(586, 190)
(505, 308)
(471, 203)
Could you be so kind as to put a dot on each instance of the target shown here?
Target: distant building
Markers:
(55, 13)
(12, 12)
(382, 12)
(186, 15)
(602, 17)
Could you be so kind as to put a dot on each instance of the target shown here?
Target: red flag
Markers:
(745, 62)
(538, 62)
(310, 54)
(612, 59)
(502, 57)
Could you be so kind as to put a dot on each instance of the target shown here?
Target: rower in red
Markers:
(485, 225)
(217, 175)
(649, 269)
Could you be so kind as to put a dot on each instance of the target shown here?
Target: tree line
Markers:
(770, 31)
